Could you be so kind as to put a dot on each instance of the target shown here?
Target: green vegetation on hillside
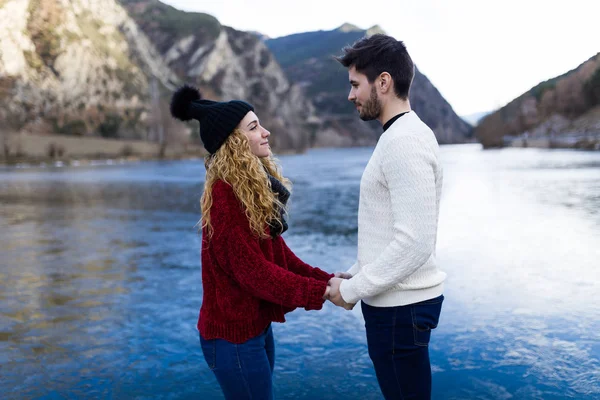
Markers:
(75, 127)
(571, 95)
(296, 48)
(538, 90)
(175, 22)
(308, 57)
(591, 89)
(109, 128)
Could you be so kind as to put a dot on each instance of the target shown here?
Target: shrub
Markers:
(591, 89)
(110, 127)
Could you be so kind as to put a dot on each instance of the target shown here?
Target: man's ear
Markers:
(384, 82)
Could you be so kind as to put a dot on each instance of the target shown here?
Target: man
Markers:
(396, 275)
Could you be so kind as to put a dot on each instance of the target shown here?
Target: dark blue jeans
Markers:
(244, 371)
(398, 340)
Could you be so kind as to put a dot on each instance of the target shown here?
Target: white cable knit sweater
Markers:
(398, 213)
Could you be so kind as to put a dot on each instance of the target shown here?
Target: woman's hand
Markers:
(335, 296)
(327, 290)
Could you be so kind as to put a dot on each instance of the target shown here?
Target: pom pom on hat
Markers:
(181, 101)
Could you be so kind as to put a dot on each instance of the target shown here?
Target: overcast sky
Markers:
(479, 54)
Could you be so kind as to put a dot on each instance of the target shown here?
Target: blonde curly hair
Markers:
(235, 164)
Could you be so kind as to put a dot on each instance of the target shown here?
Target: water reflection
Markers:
(100, 280)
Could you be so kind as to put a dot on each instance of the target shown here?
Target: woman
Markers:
(250, 277)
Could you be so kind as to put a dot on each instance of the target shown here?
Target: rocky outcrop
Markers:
(225, 64)
(107, 68)
(566, 105)
(77, 67)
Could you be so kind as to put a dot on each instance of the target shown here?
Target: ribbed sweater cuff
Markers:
(348, 292)
(316, 290)
(321, 275)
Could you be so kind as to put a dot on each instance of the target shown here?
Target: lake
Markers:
(100, 279)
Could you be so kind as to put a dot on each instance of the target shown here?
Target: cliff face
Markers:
(107, 68)
(226, 64)
(307, 60)
(567, 104)
(77, 67)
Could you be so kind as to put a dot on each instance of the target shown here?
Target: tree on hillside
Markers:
(591, 89)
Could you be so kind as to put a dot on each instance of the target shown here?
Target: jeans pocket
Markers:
(425, 317)
(209, 349)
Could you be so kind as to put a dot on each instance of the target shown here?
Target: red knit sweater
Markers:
(249, 282)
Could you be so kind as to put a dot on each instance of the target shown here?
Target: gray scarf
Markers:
(276, 227)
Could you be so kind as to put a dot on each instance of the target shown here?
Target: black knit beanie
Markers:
(217, 119)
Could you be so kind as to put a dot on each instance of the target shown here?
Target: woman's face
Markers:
(257, 135)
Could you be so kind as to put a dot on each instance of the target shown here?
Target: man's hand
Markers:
(343, 275)
(335, 296)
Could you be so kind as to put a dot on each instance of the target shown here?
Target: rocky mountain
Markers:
(568, 104)
(77, 67)
(226, 63)
(307, 60)
(107, 68)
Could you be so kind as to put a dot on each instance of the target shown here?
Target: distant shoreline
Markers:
(48, 151)
(91, 162)
(102, 160)
(591, 143)
(56, 150)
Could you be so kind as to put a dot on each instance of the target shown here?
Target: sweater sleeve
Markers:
(238, 253)
(407, 164)
(299, 267)
(353, 269)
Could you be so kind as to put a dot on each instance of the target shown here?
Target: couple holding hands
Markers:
(251, 278)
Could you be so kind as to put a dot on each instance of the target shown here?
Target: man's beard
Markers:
(372, 108)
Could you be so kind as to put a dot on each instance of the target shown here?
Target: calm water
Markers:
(100, 280)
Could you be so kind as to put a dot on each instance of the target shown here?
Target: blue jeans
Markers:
(244, 371)
(398, 339)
